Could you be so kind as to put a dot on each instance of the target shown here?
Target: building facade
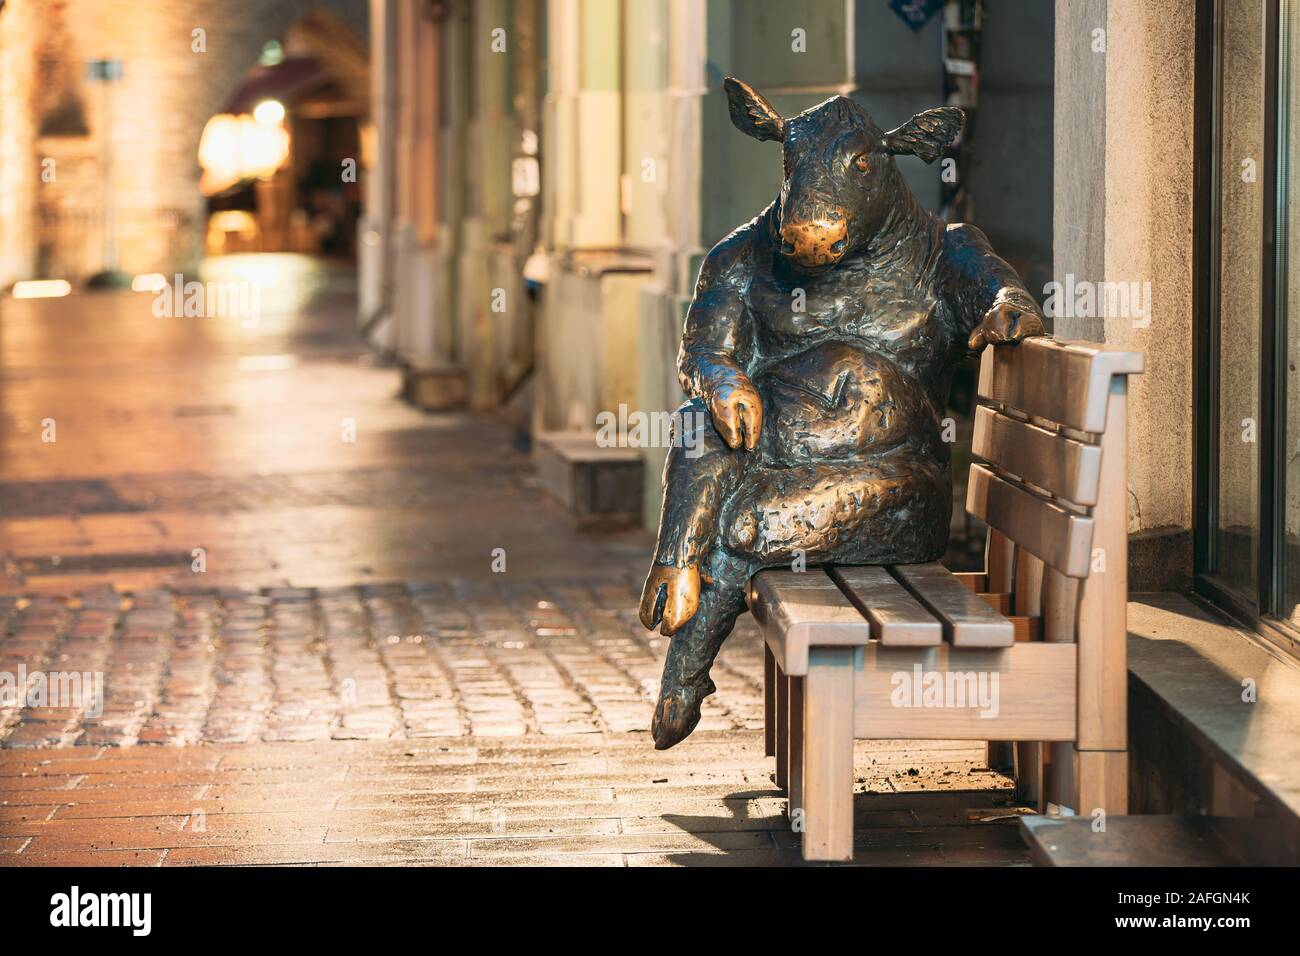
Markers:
(583, 164)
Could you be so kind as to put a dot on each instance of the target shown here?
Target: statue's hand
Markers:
(672, 596)
(737, 411)
(1005, 324)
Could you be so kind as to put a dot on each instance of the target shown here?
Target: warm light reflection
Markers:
(149, 282)
(266, 363)
(41, 289)
(285, 281)
(233, 220)
(236, 148)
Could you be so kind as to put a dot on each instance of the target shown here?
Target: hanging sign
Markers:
(916, 13)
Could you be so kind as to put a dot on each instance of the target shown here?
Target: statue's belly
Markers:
(838, 400)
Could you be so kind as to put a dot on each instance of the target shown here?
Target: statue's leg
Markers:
(699, 473)
(855, 511)
(686, 679)
(860, 512)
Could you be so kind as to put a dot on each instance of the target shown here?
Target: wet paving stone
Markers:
(602, 799)
(456, 657)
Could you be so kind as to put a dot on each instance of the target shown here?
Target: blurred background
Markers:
(511, 198)
(318, 316)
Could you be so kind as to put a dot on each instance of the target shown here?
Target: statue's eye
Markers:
(862, 162)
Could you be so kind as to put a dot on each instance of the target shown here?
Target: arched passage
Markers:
(136, 137)
(281, 160)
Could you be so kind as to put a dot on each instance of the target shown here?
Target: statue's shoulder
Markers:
(738, 254)
(966, 252)
(964, 238)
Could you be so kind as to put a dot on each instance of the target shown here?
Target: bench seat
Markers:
(905, 621)
(911, 651)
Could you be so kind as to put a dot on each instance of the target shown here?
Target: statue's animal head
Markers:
(840, 177)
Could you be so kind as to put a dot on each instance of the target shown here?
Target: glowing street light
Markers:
(269, 112)
(272, 53)
(237, 148)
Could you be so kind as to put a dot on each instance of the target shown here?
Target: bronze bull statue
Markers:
(817, 354)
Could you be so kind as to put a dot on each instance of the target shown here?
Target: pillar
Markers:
(376, 254)
(1123, 213)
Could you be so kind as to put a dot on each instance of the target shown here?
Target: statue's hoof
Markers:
(677, 712)
(670, 595)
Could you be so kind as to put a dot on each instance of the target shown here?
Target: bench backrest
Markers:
(1051, 429)
(1049, 412)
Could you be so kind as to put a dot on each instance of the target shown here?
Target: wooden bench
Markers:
(1030, 651)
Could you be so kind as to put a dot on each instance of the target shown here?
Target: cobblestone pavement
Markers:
(477, 658)
(343, 677)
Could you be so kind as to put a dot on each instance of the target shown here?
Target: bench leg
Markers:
(1102, 779)
(1101, 760)
(1060, 785)
(794, 775)
(1029, 773)
(769, 702)
(828, 755)
(782, 727)
(1000, 755)
(1000, 568)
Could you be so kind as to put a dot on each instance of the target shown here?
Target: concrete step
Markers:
(433, 385)
(1214, 724)
(1153, 840)
(590, 481)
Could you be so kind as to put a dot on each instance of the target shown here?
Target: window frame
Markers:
(1260, 610)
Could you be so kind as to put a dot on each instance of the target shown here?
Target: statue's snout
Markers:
(816, 241)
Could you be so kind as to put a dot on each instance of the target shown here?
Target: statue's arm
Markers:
(989, 301)
(716, 344)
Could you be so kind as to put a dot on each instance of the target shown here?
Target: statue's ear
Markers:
(751, 113)
(926, 134)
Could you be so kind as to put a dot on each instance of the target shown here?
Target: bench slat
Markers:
(896, 617)
(1067, 382)
(1058, 537)
(1067, 468)
(792, 608)
(967, 619)
(1035, 696)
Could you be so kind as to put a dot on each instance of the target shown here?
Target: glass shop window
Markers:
(1248, 489)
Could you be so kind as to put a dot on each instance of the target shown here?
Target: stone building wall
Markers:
(18, 172)
(641, 173)
(1123, 199)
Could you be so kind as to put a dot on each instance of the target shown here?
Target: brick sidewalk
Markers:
(590, 800)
